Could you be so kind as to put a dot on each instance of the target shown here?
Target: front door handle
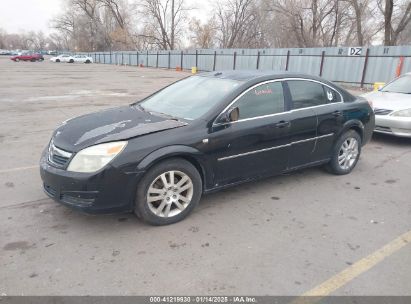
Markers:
(282, 124)
(337, 113)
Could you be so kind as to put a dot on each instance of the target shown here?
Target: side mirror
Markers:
(233, 114)
(230, 115)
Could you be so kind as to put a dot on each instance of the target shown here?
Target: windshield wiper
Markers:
(171, 117)
(137, 105)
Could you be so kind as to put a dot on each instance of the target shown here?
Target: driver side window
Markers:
(262, 100)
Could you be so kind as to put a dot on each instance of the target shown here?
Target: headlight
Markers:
(94, 158)
(402, 113)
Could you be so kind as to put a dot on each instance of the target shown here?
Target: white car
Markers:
(72, 58)
(82, 59)
(62, 58)
(392, 107)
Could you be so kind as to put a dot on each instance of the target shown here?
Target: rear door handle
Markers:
(337, 113)
(282, 124)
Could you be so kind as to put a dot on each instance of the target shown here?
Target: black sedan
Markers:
(204, 133)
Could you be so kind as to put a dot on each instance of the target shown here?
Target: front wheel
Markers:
(71, 61)
(88, 61)
(346, 153)
(168, 192)
(57, 60)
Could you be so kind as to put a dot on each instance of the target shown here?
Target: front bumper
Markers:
(398, 126)
(109, 190)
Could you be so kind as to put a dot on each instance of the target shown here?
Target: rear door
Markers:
(258, 143)
(330, 121)
(316, 122)
(304, 95)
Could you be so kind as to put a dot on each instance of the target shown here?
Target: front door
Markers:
(258, 143)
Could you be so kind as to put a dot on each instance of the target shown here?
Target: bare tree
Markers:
(203, 35)
(96, 25)
(58, 42)
(3, 39)
(38, 40)
(309, 22)
(163, 22)
(238, 23)
(91, 25)
(397, 16)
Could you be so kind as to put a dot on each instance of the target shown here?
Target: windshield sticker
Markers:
(330, 95)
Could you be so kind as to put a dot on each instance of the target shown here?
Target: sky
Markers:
(23, 15)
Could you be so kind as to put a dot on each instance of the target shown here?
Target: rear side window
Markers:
(332, 95)
(306, 93)
(262, 100)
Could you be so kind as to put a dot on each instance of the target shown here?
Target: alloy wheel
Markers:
(170, 193)
(348, 153)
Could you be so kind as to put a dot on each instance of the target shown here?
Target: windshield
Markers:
(400, 85)
(190, 98)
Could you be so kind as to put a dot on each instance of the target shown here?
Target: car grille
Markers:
(77, 201)
(382, 111)
(57, 157)
(86, 199)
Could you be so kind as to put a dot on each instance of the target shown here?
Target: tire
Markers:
(88, 61)
(71, 61)
(33, 60)
(172, 205)
(17, 60)
(57, 60)
(346, 153)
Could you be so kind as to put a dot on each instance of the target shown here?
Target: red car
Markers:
(28, 57)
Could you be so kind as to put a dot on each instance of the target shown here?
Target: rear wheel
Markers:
(346, 153)
(71, 61)
(168, 192)
(57, 60)
(87, 61)
(33, 60)
(17, 60)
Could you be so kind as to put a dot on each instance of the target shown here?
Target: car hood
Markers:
(389, 101)
(110, 125)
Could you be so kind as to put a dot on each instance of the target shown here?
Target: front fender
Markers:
(167, 152)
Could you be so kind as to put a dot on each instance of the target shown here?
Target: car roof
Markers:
(247, 75)
(252, 77)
